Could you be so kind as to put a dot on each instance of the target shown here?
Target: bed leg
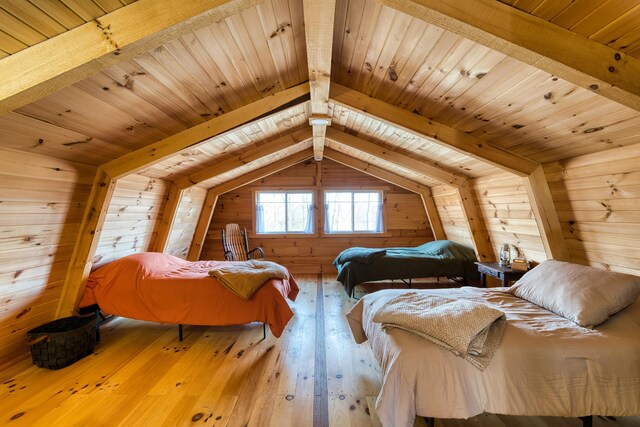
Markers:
(431, 422)
(180, 331)
(587, 421)
(98, 316)
(264, 331)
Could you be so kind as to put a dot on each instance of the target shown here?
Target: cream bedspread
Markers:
(546, 365)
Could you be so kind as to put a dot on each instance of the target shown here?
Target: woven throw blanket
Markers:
(470, 329)
(244, 278)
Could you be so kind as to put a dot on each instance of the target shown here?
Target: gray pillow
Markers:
(584, 295)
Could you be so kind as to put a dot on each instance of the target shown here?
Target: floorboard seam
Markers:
(320, 396)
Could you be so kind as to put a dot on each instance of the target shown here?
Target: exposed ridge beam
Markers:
(245, 157)
(423, 191)
(423, 127)
(535, 41)
(199, 134)
(63, 60)
(214, 193)
(319, 17)
(399, 159)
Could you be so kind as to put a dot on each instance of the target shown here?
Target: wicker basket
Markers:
(57, 344)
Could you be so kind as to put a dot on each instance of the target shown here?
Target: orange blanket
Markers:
(163, 288)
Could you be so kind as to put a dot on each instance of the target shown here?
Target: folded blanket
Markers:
(361, 255)
(244, 278)
(470, 329)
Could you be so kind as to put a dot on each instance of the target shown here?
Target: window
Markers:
(353, 212)
(280, 212)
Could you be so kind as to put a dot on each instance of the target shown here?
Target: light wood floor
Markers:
(142, 375)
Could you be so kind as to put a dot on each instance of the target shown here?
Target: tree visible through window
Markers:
(284, 212)
(353, 211)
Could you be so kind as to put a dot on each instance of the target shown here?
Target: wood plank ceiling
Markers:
(27, 23)
(378, 51)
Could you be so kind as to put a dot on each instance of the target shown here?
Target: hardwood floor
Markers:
(141, 375)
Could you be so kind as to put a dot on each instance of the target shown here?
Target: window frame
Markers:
(352, 190)
(314, 198)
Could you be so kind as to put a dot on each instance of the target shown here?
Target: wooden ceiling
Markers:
(459, 84)
(27, 23)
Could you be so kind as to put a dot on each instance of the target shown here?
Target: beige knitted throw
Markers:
(244, 278)
(470, 329)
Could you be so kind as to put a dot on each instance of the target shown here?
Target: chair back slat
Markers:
(235, 242)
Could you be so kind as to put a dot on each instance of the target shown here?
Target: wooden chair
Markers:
(236, 244)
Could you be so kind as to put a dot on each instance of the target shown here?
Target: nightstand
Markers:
(505, 274)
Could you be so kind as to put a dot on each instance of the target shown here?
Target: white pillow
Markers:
(584, 295)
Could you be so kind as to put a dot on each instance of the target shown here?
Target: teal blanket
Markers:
(440, 258)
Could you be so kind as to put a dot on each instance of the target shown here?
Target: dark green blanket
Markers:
(440, 258)
(361, 255)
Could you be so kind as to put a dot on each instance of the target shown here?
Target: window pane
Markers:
(273, 218)
(353, 211)
(297, 217)
(271, 197)
(366, 197)
(284, 212)
(366, 211)
(339, 211)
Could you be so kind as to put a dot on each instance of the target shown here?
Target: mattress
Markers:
(545, 366)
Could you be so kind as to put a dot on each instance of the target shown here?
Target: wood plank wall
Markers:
(448, 203)
(406, 219)
(42, 200)
(134, 213)
(597, 197)
(185, 221)
(504, 207)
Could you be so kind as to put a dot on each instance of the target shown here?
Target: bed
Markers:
(440, 258)
(546, 365)
(162, 288)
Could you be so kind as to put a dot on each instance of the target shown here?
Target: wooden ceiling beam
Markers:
(199, 134)
(74, 55)
(536, 184)
(319, 17)
(245, 157)
(376, 171)
(423, 191)
(168, 216)
(535, 41)
(477, 231)
(434, 216)
(546, 216)
(86, 243)
(214, 193)
(399, 159)
(423, 127)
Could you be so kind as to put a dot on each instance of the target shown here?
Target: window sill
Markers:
(349, 235)
(316, 235)
(283, 236)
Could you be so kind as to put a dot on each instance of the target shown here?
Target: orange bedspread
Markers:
(163, 288)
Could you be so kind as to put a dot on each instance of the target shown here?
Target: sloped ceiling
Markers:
(261, 50)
